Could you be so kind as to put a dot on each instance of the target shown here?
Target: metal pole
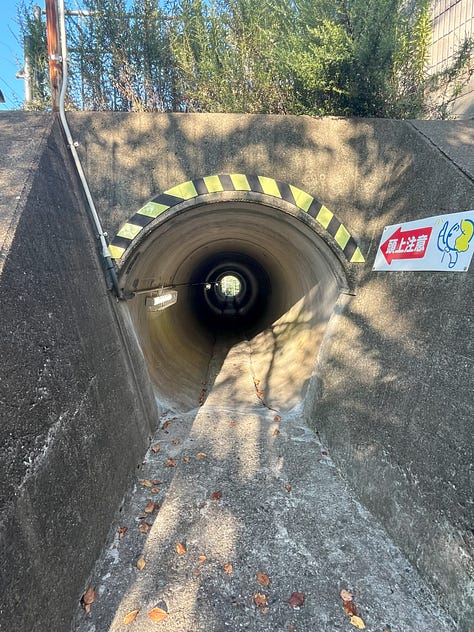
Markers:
(54, 56)
(30, 72)
(109, 265)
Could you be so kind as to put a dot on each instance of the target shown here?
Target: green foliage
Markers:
(33, 29)
(100, 52)
(337, 57)
(350, 56)
(226, 56)
(444, 87)
(320, 66)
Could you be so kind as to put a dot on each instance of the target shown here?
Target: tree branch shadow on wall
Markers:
(400, 342)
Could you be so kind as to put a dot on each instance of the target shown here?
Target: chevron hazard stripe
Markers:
(237, 182)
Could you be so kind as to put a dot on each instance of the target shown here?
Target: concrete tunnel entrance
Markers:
(245, 267)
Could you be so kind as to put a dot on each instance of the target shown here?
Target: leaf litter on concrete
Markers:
(229, 544)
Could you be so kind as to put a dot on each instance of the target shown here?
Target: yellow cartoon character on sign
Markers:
(455, 240)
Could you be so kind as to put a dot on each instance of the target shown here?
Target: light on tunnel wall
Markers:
(161, 301)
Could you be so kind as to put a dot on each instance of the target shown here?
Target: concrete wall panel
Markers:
(391, 393)
(76, 406)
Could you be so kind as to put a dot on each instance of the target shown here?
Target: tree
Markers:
(36, 56)
(226, 55)
(318, 57)
(361, 57)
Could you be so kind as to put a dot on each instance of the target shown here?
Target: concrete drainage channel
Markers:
(264, 327)
(238, 518)
(239, 521)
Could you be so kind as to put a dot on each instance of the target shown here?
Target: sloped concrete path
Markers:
(245, 492)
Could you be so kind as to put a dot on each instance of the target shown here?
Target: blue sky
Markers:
(11, 54)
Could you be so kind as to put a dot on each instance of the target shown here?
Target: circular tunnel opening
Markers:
(230, 285)
(242, 270)
(231, 291)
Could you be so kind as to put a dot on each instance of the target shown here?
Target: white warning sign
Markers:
(440, 243)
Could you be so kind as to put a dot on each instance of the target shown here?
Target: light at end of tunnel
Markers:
(161, 301)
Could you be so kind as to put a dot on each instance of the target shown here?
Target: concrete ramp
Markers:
(250, 509)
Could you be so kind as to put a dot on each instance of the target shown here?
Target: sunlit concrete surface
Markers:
(369, 372)
(281, 508)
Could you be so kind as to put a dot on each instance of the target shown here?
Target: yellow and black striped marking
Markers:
(237, 182)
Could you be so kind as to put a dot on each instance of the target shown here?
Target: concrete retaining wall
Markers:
(76, 405)
(392, 394)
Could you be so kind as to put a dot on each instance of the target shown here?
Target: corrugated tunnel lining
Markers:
(291, 275)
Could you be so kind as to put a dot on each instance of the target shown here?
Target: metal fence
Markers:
(453, 21)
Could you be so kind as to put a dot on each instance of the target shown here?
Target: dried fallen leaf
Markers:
(155, 490)
(228, 568)
(87, 599)
(167, 423)
(89, 596)
(216, 495)
(144, 527)
(256, 382)
(260, 394)
(296, 600)
(260, 600)
(276, 432)
(186, 459)
(350, 608)
(201, 559)
(146, 483)
(288, 487)
(201, 455)
(180, 548)
(151, 507)
(122, 531)
(263, 579)
(176, 441)
(158, 614)
(155, 481)
(357, 622)
(156, 448)
(170, 463)
(345, 595)
(141, 563)
(277, 418)
(130, 617)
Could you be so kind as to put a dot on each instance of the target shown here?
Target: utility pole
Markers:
(54, 56)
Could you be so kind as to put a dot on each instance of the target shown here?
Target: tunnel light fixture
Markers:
(161, 301)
